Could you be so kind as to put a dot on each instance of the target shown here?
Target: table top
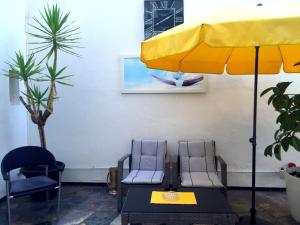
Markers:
(208, 201)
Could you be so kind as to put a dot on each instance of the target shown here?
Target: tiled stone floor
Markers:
(91, 205)
(81, 204)
(271, 205)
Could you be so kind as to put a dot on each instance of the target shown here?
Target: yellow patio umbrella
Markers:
(251, 40)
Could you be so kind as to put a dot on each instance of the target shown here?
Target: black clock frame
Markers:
(161, 15)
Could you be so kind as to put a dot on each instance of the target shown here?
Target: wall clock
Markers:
(161, 15)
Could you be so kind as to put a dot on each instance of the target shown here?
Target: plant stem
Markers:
(28, 96)
(42, 136)
(51, 96)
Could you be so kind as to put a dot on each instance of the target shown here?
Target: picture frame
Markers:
(137, 78)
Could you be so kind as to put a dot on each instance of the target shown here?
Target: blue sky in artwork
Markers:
(136, 73)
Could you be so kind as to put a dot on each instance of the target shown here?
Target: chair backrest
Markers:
(148, 154)
(197, 155)
(26, 156)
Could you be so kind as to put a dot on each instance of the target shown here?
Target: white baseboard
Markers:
(235, 179)
(94, 175)
(263, 179)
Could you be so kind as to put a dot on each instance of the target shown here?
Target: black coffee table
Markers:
(212, 208)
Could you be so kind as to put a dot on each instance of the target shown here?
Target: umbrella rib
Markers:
(190, 51)
(186, 55)
(282, 66)
(229, 55)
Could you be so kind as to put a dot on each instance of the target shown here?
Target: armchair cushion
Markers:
(148, 155)
(197, 156)
(31, 184)
(200, 179)
(144, 177)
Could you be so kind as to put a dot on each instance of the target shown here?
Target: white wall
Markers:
(13, 131)
(93, 123)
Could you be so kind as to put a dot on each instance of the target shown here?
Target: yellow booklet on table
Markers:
(182, 198)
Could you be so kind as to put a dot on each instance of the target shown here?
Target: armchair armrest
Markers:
(123, 158)
(223, 165)
(167, 165)
(60, 166)
(174, 171)
(167, 178)
(121, 166)
(5, 176)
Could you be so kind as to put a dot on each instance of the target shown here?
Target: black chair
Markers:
(29, 156)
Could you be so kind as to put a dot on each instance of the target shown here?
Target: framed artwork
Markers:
(137, 78)
(161, 15)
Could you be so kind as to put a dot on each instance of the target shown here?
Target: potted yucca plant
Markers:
(52, 34)
(287, 138)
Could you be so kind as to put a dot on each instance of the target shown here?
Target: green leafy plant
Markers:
(288, 107)
(52, 34)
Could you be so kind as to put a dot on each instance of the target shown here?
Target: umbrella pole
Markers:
(250, 220)
(253, 139)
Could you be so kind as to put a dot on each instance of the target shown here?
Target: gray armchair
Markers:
(148, 166)
(197, 166)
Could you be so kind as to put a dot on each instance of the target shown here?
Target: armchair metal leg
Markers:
(47, 198)
(224, 191)
(58, 196)
(120, 199)
(58, 203)
(47, 192)
(8, 203)
(8, 210)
